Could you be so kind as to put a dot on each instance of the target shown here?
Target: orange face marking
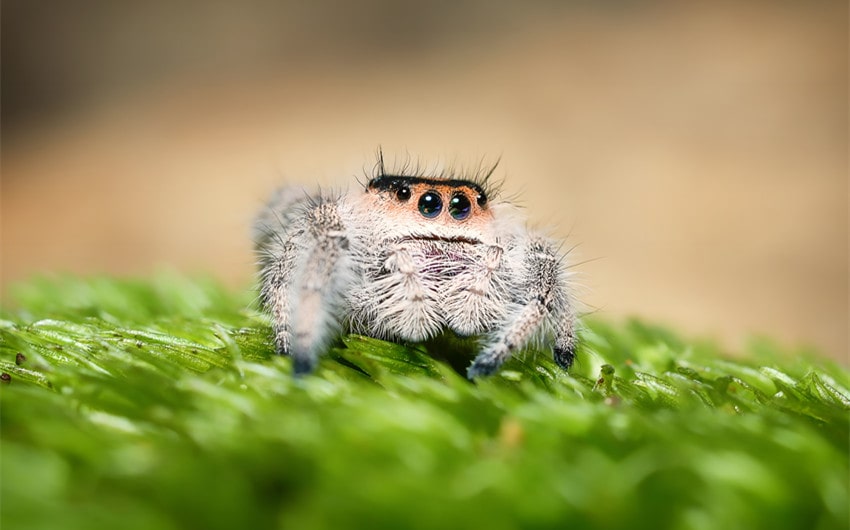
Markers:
(441, 201)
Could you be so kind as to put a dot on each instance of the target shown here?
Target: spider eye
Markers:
(430, 204)
(459, 207)
(481, 199)
(403, 194)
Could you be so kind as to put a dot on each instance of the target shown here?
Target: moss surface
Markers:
(158, 404)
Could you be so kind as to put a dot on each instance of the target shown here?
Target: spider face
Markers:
(429, 208)
(406, 258)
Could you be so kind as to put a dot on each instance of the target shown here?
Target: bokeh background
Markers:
(696, 152)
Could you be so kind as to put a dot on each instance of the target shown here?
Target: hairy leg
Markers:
(317, 286)
(273, 231)
(564, 350)
(303, 279)
(540, 297)
(276, 277)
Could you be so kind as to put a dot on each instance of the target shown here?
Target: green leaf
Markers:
(160, 403)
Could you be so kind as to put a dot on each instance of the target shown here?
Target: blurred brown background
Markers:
(699, 150)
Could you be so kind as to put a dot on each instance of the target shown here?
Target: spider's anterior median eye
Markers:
(403, 194)
(459, 207)
(430, 204)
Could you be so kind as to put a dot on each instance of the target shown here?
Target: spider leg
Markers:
(541, 302)
(303, 282)
(276, 269)
(564, 349)
(273, 231)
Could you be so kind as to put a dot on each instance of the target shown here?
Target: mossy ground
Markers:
(159, 404)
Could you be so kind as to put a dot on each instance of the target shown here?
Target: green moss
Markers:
(159, 404)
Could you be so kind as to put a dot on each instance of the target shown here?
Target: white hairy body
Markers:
(385, 262)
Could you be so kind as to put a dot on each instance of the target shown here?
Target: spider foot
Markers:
(564, 357)
(485, 364)
(302, 365)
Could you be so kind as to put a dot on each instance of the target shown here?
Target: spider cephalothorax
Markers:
(405, 259)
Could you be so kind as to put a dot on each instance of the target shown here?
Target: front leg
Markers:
(541, 301)
(304, 284)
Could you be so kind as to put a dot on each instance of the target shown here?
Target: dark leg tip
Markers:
(564, 357)
(303, 365)
(482, 366)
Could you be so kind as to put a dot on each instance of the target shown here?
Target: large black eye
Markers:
(430, 204)
(459, 207)
(481, 199)
(403, 193)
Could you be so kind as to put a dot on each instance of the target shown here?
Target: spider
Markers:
(408, 257)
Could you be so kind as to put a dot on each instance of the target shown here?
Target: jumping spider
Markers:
(405, 259)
